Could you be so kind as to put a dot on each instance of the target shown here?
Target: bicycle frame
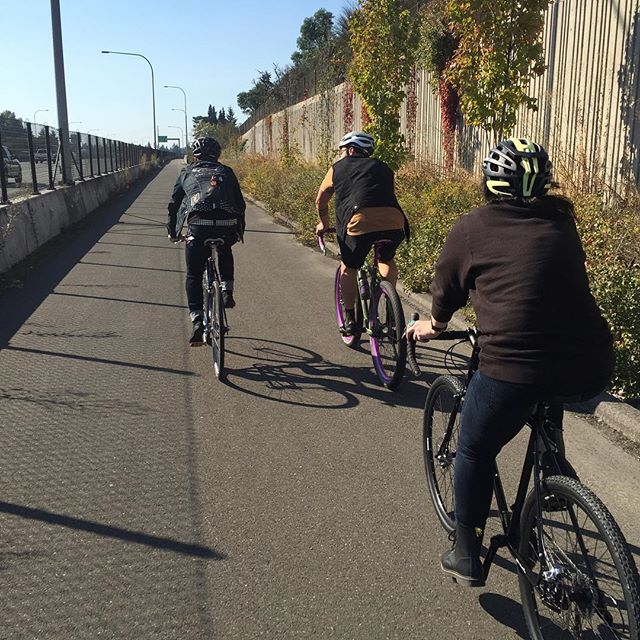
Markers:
(214, 276)
(540, 443)
(371, 275)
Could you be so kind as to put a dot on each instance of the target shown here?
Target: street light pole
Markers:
(36, 112)
(153, 89)
(61, 92)
(186, 126)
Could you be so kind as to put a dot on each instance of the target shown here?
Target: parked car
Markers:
(12, 168)
(40, 155)
(23, 155)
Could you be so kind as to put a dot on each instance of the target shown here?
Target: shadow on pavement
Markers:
(506, 611)
(145, 302)
(297, 376)
(109, 531)
(119, 363)
(41, 272)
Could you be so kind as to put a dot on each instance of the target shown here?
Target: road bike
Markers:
(215, 314)
(577, 576)
(378, 313)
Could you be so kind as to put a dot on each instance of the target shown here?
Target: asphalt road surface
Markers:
(142, 498)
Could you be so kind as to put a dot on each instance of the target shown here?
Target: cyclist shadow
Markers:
(506, 611)
(298, 376)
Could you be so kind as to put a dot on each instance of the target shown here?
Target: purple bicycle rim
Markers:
(375, 352)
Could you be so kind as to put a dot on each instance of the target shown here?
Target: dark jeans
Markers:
(196, 254)
(492, 414)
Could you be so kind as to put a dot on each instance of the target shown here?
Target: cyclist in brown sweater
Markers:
(520, 260)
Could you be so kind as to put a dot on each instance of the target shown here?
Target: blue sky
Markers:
(211, 49)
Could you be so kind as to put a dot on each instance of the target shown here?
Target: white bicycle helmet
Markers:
(358, 139)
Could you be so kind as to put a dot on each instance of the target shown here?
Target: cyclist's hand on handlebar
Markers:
(320, 229)
(173, 239)
(421, 330)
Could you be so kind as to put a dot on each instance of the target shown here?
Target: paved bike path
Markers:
(141, 498)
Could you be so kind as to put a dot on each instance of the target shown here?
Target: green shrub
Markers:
(611, 238)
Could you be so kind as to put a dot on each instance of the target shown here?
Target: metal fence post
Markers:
(111, 153)
(80, 169)
(90, 158)
(3, 178)
(34, 178)
(104, 150)
(47, 144)
(98, 155)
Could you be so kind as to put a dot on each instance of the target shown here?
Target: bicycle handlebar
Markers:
(320, 239)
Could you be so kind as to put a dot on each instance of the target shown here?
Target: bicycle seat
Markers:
(215, 242)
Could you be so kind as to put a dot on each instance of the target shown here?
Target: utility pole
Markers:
(61, 92)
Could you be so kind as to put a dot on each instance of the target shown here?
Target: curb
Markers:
(618, 415)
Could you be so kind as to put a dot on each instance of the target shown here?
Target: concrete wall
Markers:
(588, 103)
(27, 224)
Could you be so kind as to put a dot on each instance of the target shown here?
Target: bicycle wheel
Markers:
(587, 582)
(351, 341)
(208, 304)
(440, 429)
(217, 330)
(388, 347)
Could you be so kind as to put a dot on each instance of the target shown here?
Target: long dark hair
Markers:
(557, 203)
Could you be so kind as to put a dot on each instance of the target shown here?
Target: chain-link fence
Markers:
(31, 158)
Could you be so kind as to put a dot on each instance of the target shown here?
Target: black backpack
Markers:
(211, 189)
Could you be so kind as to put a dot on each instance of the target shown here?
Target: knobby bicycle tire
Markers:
(391, 331)
(353, 340)
(217, 330)
(441, 423)
(579, 596)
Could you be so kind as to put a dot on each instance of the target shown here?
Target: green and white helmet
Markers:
(517, 168)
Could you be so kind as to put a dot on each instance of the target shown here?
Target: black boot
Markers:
(198, 331)
(462, 563)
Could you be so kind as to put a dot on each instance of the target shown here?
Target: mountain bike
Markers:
(576, 574)
(378, 313)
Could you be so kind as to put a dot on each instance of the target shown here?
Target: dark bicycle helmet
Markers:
(206, 148)
(359, 139)
(517, 168)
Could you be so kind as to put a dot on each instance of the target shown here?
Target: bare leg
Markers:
(389, 271)
(348, 286)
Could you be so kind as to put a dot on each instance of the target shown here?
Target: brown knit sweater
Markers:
(523, 267)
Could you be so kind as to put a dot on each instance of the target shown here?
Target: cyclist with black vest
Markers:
(208, 198)
(367, 210)
(520, 259)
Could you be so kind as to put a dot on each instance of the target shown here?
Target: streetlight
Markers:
(169, 126)
(186, 127)
(153, 89)
(36, 112)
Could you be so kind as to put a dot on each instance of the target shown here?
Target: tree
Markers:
(222, 116)
(212, 118)
(249, 101)
(315, 34)
(499, 50)
(384, 41)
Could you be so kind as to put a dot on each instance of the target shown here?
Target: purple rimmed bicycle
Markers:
(378, 313)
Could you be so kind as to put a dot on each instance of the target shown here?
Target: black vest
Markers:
(359, 183)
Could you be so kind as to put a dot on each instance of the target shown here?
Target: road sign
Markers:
(162, 138)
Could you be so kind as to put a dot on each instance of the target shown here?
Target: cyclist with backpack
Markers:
(208, 198)
(367, 210)
(543, 337)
